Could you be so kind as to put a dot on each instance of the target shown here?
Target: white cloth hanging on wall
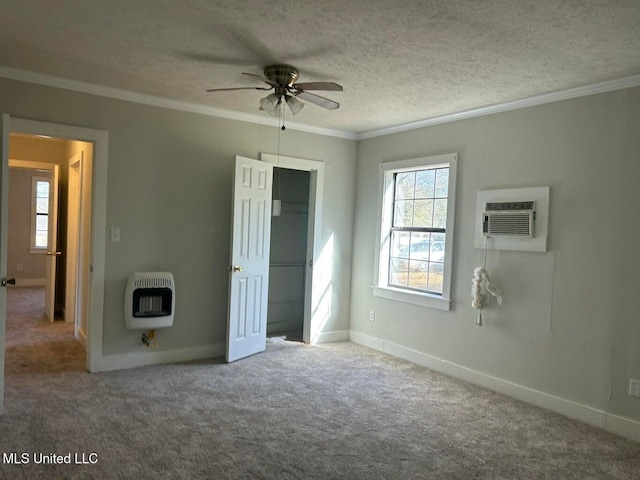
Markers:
(482, 289)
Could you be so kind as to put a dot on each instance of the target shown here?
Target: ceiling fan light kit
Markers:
(294, 104)
(282, 79)
(271, 104)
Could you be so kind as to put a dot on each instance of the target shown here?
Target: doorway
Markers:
(288, 259)
(48, 238)
(250, 243)
(96, 207)
(312, 172)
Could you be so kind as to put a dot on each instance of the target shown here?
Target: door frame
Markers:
(4, 239)
(73, 288)
(100, 141)
(313, 321)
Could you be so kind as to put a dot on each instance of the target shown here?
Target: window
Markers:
(416, 230)
(40, 188)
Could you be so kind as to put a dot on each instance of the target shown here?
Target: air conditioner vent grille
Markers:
(514, 219)
(510, 224)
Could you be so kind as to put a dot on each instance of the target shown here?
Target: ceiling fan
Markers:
(282, 80)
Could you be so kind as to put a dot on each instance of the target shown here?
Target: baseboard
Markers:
(336, 336)
(153, 357)
(30, 282)
(624, 427)
(82, 338)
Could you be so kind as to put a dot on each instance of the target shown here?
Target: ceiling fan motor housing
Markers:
(281, 74)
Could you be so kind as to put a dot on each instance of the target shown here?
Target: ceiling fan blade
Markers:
(237, 88)
(261, 78)
(332, 86)
(318, 100)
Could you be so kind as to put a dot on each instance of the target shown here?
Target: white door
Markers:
(4, 215)
(249, 267)
(52, 248)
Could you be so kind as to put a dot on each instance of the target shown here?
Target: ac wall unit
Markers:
(509, 219)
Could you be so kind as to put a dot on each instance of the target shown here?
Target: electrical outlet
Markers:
(372, 316)
(19, 267)
(634, 387)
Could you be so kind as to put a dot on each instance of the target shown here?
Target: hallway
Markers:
(33, 344)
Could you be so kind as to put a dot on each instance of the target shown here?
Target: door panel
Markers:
(52, 248)
(249, 267)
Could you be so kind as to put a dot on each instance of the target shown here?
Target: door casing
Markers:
(313, 323)
(100, 140)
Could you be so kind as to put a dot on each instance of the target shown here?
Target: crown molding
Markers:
(602, 87)
(137, 97)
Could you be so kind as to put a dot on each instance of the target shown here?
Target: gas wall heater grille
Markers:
(513, 219)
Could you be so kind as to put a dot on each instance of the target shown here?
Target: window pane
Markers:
(440, 213)
(436, 253)
(403, 216)
(442, 182)
(423, 213)
(419, 246)
(436, 274)
(405, 183)
(41, 239)
(42, 222)
(418, 272)
(425, 183)
(400, 244)
(42, 189)
(42, 205)
(398, 272)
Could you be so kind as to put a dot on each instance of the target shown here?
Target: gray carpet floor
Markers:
(335, 411)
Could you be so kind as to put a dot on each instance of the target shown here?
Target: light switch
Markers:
(115, 234)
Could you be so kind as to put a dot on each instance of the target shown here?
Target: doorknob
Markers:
(235, 268)
(10, 281)
(51, 253)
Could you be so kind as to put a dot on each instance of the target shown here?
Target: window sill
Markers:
(415, 298)
(38, 251)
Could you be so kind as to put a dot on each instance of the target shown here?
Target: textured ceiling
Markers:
(399, 61)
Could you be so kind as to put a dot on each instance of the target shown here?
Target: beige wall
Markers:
(169, 192)
(36, 149)
(569, 327)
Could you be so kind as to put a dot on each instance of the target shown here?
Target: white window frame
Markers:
(34, 192)
(385, 215)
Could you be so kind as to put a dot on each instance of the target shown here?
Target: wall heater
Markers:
(149, 300)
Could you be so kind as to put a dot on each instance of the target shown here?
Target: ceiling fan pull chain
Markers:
(283, 112)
